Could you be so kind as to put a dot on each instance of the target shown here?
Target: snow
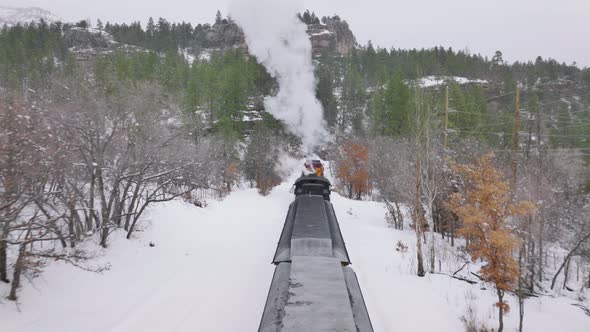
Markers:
(431, 81)
(210, 271)
(323, 32)
(205, 55)
(187, 55)
(251, 116)
(13, 15)
(397, 300)
(206, 264)
(5, 11)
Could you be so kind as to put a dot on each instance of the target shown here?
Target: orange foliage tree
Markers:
(352, 168)
(230, 175)
(484, 209)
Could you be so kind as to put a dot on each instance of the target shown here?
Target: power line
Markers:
(557, 116)
(500, 96)
(542, 150)
(511, 117)
(528, 116)
(576, 126)
(539, 104)
(452, 130)
(484, 114)
(562, 101)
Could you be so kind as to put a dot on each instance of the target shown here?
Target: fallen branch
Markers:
(477, 275)
(584, 308)
(464, 279)
(473, 282)
(459, 270)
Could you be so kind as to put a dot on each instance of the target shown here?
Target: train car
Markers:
(313, 287)
(313, 184)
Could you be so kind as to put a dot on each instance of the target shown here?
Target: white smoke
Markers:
(278, 39)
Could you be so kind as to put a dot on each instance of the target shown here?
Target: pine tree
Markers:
(82, 24)
(218, 17)
(391, 108)
(352, 101)
(307, 17)
(150, 28)
(498, 58)
(325, 94)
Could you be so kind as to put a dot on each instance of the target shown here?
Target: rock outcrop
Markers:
(87, 43)
(84, 37)
(226, 34)
(333, 36)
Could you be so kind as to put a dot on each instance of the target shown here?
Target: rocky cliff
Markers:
(226, 34)
(332, 36)
(87, 43)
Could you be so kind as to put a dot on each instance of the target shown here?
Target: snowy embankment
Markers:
(210, 271)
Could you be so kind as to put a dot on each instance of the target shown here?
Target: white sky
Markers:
(521, 29)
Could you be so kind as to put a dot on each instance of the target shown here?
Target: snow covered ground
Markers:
(430, 81)
(210, 271)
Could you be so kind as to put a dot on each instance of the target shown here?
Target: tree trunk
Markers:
(106, 206)
(533, 268)
(18, 267)
(540, 248)
(520, 290)
(400, 216)
(72, 231)
(134, 201)
(452, 231)
(72, 222)
(9, 196)
(541, 215)
(500, 310)
(421, 272)
(418, 221)
(91, 216)
(432, 254)
(61, 237)
(3, 251)
(566, 273)
(431, 226)
(3, 262)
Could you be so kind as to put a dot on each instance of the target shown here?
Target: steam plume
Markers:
(279, 41)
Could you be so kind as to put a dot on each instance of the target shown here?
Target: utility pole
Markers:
(446, 117)
(515, 142)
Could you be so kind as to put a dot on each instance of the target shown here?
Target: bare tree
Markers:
(389, 172)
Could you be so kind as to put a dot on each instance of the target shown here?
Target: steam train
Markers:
(313, 287)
